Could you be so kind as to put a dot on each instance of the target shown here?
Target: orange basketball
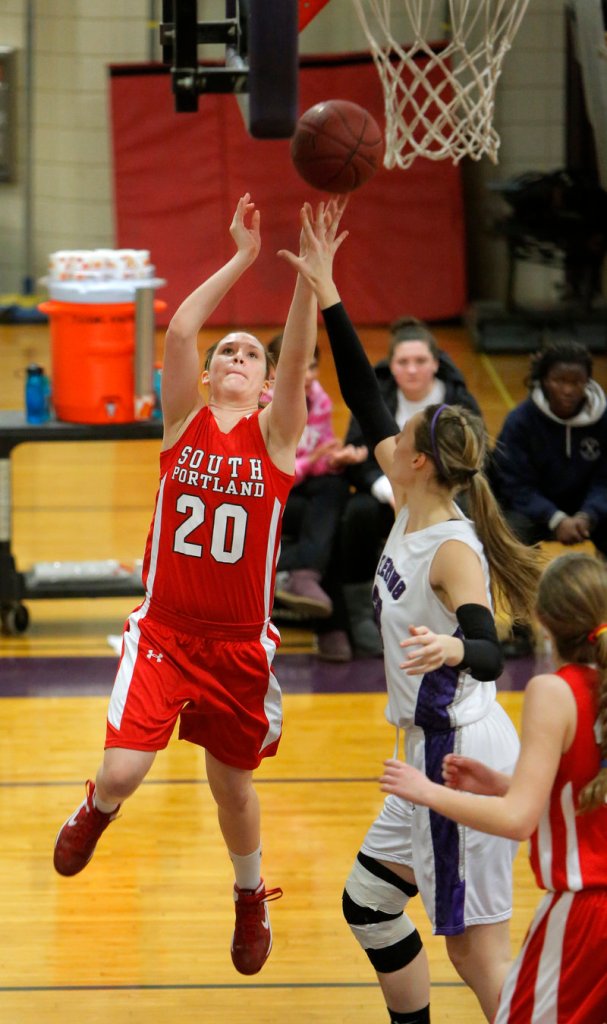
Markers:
(337, 146)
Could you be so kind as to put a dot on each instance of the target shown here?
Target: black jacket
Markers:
(543, 465)
(364, 475)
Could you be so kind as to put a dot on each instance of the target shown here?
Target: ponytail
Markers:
(514, 568)
(454, 438)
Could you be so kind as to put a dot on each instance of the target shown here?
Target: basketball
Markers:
(337, 146)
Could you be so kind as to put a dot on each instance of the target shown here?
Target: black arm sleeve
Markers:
(482, 652)
(357, 380)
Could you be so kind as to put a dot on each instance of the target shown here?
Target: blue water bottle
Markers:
(37, 395)
(157, 410)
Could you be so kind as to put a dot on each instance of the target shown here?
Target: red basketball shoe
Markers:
(77, 838)
(252, 938)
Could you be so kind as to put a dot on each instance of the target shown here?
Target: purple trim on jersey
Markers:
(436, 695)
(450, 888)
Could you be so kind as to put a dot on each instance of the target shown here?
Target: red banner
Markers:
(177, 178)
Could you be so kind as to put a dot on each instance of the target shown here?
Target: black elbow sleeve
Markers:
(482, 652)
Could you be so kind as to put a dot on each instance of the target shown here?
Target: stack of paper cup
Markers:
(100, 265)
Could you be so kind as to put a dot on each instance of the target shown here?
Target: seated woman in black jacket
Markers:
(415, 374)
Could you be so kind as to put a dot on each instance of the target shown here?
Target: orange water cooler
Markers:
(93, 360)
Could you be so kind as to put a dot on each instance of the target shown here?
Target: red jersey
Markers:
(568, 849)
(559, 975)
(214, 541)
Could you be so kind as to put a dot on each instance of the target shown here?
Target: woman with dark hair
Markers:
(415, 374)
(549, 466)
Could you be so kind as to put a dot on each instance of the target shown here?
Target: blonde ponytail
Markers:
(455, 440)
(515, 569)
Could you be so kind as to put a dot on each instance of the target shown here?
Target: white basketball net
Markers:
(440, 104)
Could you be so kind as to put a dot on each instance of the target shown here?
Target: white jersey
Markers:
(402, 595)
(464, 877)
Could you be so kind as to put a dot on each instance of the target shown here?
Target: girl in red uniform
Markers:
(557, 796)
(200, 647)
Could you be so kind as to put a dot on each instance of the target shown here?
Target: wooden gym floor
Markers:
(143, 934)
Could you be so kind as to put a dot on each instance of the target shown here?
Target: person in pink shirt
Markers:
(312, 516)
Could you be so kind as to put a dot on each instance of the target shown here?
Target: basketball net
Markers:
(439, 99)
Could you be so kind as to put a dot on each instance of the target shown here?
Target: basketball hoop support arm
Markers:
(261, 64)
(180, 39)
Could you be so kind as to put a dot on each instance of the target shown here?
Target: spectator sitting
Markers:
(416, 373)
(312, 514)
(549, 467)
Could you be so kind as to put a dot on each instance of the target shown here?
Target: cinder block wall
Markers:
(75, 40)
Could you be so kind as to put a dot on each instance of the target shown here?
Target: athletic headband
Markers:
(433, 440)
(598, 631)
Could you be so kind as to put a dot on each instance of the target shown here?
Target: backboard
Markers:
(260, 62)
